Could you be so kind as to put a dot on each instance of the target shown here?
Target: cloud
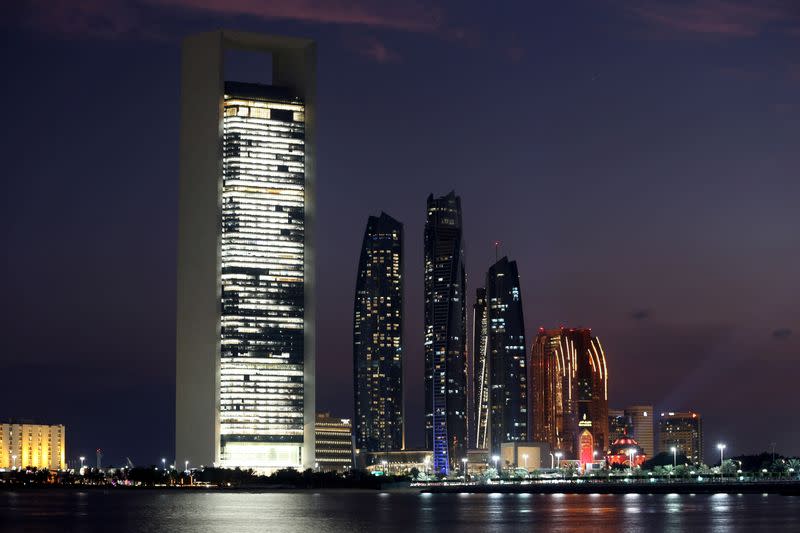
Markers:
(121, 18)
(782, 333)
(717, 18)
(377, 51)
(640, 314)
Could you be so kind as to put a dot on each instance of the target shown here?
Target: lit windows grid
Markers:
(262, 254)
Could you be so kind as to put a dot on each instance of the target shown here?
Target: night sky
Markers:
(640, 160)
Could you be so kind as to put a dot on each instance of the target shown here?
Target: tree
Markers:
(414, 472)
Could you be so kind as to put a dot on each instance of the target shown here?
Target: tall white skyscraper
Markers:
(245, 337)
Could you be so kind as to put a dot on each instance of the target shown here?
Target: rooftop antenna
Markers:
(496, 248)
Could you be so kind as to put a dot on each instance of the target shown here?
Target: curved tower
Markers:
(378, 338)
(445, 334)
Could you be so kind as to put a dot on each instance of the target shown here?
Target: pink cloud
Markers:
(720, 18)
(120, 18)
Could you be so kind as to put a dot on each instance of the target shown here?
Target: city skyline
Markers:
(672, 152)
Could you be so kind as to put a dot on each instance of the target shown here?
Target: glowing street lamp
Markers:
(559, 455)
(163, 463)
(525, 458)
(464, 460)
(14, 458)
(495, 458)
(674, 451)
(186, 465)
(552, 461)
(82, 458)
(721, 448)
(631, 456)
(384, 464)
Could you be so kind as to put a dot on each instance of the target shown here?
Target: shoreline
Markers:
(784, 488)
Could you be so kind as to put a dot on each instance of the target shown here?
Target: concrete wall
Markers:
(197, 437)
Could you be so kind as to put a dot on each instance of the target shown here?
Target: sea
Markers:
(351, 511)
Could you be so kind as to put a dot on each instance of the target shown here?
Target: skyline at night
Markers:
(639, 163)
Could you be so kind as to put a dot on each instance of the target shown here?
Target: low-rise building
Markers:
(25, 444)
(334, 443)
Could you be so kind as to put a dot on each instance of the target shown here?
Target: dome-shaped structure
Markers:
(624, 450)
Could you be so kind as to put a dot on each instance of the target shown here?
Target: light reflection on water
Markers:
(357, 511)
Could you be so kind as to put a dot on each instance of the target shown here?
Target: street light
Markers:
(552, 461)
(525, 458)
(14, 458)
(384, 464)
(427, 461)
(721, 448)
(495, 458)
(164, 463)
(186, 465)
(82, 458)
(674, 451)
(631, 455)
(464, 460)
(559, 455)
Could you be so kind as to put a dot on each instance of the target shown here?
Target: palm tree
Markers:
(794, 466)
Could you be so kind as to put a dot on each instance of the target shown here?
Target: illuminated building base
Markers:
(264, 458)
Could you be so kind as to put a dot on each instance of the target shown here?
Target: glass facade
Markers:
(445, 334)
(262, 278)
(508, 373)
(378, 337)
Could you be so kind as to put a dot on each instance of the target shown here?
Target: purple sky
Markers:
(639, 159)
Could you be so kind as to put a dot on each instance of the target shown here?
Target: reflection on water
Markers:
(357, 511)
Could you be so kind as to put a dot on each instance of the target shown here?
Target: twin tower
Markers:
(499, 407)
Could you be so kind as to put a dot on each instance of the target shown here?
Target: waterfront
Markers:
(356, 511)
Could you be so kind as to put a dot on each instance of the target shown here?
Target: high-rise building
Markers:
(508, 372)
(378, 337)
(619, 425)
(24, 444)
(480, 369)
(641, 417)
(245, 316)
(569, 389)
(334, 443)
(683, 431)
(445, 334)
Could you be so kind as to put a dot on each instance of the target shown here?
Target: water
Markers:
(356, 511)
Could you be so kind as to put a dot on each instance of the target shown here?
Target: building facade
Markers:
(569, 389)
(445, 334)
(480, 368)
(643, 423)
(508, 372)
(378, 338)
(39, 446)
(619, 425)
(245, 317)
(683, 431)
(334, 443)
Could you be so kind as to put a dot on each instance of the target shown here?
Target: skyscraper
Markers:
(378, 337)
(508, 372)
(245, 324)
(445, 334)
(480, 369)
(684, 431)
(569, 384)
(642, 419)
